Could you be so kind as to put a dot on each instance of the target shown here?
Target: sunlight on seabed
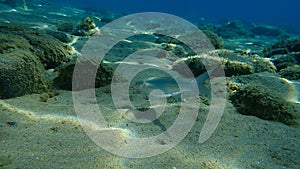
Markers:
(294, 94)
(74, 120)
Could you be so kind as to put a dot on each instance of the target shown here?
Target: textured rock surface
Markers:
(259, 101)
(65, 76)
(21, 73)
(283, 47)
(50, 51)
(24, 55)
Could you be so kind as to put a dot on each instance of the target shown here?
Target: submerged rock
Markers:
(86, 27)
(283, 61)
(67, 27)
(21, 73)
(237, 68)
(196, 66)
(265, 30)
(284, 54)
(259, 101)
(283, 47)
(233, 29)
(25, 54)
(291, 72)
(9, 42)
(50, 51)
(65, 76)
(214, 38)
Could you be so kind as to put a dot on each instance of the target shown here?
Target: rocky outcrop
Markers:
(25, 54)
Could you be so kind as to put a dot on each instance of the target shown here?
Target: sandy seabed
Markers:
(49, 135)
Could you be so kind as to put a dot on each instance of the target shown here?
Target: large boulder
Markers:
(283, 47)
(21, 73)
(65, 76)
(266, 30)
(50, 51)
(25, 54)
(291, 72)
(259, 101)
(233, 29)
(214, 39)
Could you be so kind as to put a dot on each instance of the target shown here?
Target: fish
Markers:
(167, 83)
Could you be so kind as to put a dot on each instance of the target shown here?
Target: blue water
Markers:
(274, 12)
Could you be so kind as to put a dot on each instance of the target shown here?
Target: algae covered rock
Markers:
(9, 42)
(67, 27)
(214, 38)
(61, 36)
(237, 68)
(266, 30)
(25, 53)
(259, 101)
(233, 29)
(65, 76)
(291, 72)
(21, 73)
(195, 64)
(283, 47)
(284, 53)
(283, 61)
(86, 27)
(263, 65)
(174, 45)
(50, 50)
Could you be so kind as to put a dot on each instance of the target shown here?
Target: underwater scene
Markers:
(149, 84)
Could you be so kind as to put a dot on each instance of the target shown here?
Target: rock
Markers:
(282, 61)
(86, 27)
(283, 47)
(178, 50)
(5, 160)
(291, 72)
(262, 65)
(174, 45)
(21, 73)
(259, 101)
(237, 68)
(214, 38)
(10, 42)
(195, 64)
(25, 54)
(67, 27)
(65, 76)
(234, 29)
(270, 80)
(266, 30)
(61, 36)
(50, 51)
